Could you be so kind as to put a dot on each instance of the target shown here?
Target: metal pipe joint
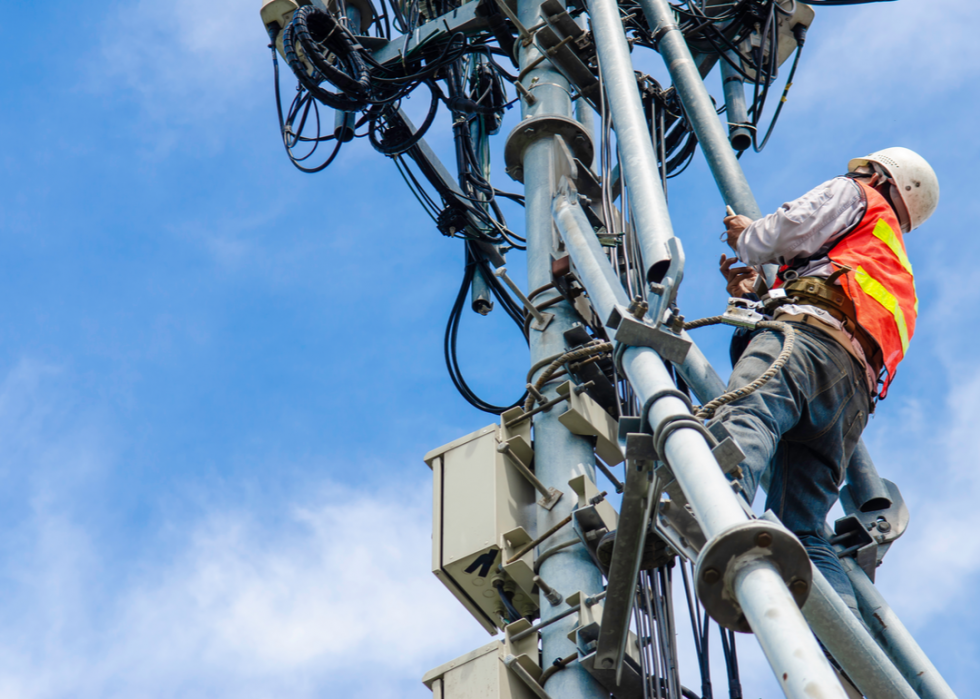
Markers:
(727, 553)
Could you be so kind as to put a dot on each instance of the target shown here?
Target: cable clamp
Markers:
(645, 421)
(660, 32)
(677, 422)
(636, 333)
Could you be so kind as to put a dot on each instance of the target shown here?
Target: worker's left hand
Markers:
(740, 280)
(734, 225)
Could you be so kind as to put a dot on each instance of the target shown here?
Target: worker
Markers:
(845, 285)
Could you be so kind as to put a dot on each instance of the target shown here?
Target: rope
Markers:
(707, 410)
(702, 322)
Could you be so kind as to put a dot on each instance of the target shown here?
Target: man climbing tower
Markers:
(846, 285)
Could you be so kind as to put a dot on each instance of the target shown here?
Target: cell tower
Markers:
(524, 535)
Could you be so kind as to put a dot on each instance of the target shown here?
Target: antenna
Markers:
(524, 536)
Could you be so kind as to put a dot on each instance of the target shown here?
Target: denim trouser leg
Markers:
(805, 422)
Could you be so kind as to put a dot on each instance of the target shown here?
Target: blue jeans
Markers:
(805, 422)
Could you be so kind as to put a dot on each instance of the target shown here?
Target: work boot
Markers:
(656, 552)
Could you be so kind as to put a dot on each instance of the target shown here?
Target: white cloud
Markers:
(324, 593)
(333, 599)
(185, 61)
(887, 57)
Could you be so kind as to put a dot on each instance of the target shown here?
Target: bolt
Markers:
(799, 587)
(764, 539)
(711, 576)
(638, 307)
(884, 526)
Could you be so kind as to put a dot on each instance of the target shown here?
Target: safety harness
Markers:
(877, 303)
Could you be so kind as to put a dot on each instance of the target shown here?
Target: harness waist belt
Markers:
(814, 291)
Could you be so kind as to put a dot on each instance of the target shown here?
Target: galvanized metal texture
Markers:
(891, 634)
(634, 516)
(559, 455)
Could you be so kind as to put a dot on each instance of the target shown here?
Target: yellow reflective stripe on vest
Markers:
(885, 234)
(873, 288)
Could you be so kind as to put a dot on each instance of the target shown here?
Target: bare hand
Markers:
(734, 226)
(740, 280)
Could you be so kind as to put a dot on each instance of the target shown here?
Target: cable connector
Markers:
(452, 220)
(799, 32)
(552, 595)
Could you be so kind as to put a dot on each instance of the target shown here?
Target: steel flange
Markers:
(727, 553)
(530, 130)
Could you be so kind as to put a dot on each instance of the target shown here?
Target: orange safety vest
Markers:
(881, 284)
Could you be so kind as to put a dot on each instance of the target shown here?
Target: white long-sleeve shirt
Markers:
(799, 229)
(802, 227)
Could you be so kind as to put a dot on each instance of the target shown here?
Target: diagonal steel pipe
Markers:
(895, 639)
(639, 163)
(700, 109)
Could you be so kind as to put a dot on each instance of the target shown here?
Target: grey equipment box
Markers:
(482, 674)
(483, 513)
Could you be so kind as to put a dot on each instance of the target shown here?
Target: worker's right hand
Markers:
(740, 280)
(734, 225)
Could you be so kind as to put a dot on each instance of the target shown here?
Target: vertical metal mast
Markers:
(752, 573)
(559, 455)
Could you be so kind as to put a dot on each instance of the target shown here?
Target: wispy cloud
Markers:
(324, 593)
(340, 586)
(887, 57)
(200, 56)
(190, 69)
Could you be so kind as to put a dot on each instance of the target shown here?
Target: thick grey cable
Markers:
(556, 666)
(548, 553)
(556, 364)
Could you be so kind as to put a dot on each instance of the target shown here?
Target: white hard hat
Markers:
(912, 179)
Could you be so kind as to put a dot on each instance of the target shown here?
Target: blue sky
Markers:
(218, 376)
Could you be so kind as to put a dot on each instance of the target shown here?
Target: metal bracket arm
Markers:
(541, 319)
(424, 151)
(549, 496)
(466, 19)
(625, 565)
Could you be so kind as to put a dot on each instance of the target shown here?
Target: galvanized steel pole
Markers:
(738, 116)
(639, 164)
(558, 454)
(894, 638)
(851, 645)
(700, 111)
(793, 654)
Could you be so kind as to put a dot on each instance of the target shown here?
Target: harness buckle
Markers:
(742, 314)
(776, 298)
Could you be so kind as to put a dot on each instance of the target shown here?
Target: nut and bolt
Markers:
(638, 307)
(711, 576)
(764, 539)
(884, 526)
(799, 587)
